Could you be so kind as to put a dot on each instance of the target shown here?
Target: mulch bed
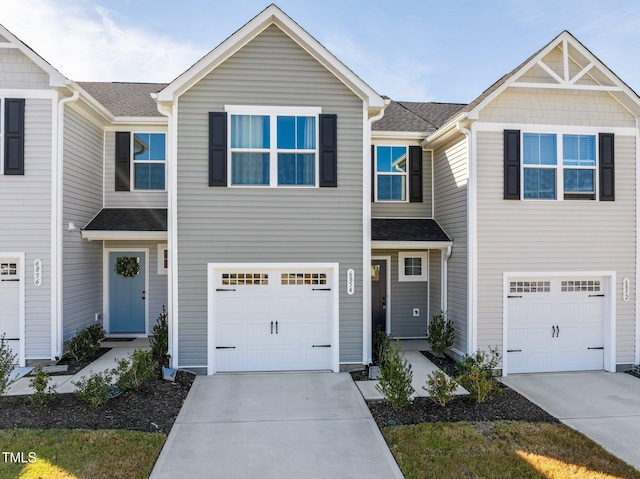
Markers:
(508, 405)
(153, 408)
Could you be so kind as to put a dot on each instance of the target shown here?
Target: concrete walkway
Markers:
(64, 383)
(275, 425)
(603, 406)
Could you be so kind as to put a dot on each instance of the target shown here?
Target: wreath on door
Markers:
(127, 266)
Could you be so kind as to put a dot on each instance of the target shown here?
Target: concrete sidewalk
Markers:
(275, 425)
(603, 406)
(64, 383)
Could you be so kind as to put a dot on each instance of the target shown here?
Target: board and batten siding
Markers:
(82, 200)
(25, 219)
(17, 71)
(401, 209)
(256, 224)
(158, 289)
(451, 174)
(553, 236)
(127, 199)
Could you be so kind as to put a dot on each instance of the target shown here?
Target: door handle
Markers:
(271, 327)
(553, 331)
(557, 331)
(384, 302)
(276, 327)
(143, 295)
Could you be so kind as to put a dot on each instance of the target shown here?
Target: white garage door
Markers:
(272, 319)
(10, 303)
(555, 324)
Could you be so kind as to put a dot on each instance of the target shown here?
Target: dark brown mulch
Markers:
(153, 408)
(508, 405)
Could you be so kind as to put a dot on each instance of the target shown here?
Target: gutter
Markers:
(444, 298)
(57, 332)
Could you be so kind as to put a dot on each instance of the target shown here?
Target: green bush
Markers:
(441, 388)
(130, 373)
(94, 389)
(381, 343)
(395, 378)
(43, 390)
(86, 343)
(440, 333)
(7, 363)
(159, 339)
(477, 374)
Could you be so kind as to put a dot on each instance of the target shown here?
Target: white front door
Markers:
(555, 324)
(272, 319)
(10, 302)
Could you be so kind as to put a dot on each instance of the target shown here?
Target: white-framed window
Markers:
(273, 146)
(163, 259)
(149, 154)
(562, 168)
(391, 171)
(413, 266)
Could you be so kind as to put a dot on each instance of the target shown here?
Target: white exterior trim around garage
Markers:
(283, 316)
(603, 327)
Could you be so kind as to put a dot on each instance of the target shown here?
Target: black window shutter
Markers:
(217, 148)
(373, 173)
(14, 136)
(607, 174)
(123, 161)
(328, 150)
(511, 164)
(415, 174)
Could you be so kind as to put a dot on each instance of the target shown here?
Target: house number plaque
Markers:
(351, 281)
(37, 272)
(625, 289)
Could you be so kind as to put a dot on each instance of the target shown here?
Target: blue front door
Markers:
(127, 304)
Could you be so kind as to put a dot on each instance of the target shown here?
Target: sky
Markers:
(412, 50)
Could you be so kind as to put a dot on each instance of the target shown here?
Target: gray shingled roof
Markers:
(415, 116)
(125, 99)
(383, 229)
(129, 219)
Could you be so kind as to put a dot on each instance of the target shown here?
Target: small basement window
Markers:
(413, 266)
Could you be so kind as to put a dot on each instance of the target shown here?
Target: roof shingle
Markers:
(125, 99)
(129, 219)
(383, 229)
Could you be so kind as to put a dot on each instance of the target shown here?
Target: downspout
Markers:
(57, 218)
(366, 229)
(444, 299)
(472, 228)
(637, 358)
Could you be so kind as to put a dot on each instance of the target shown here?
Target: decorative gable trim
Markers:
(272, 15)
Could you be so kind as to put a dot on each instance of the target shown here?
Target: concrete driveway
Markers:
(603, 406)
(275, 425)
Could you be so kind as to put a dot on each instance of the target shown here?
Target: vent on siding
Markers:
(530, 286)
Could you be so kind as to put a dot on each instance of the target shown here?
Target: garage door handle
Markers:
(225, 347)
(222, 289)
(271, 327)
(514, 350)
(276, 327)
(596, 295)
(320, 289)
(11, 279)
(321, 346)
(601, 347)
(514, 296)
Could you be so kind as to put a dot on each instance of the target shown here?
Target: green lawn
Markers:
(501, 449)
(78, 454)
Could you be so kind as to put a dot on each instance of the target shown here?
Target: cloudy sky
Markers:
(419, 50)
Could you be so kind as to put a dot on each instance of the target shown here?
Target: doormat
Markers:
(116, 340)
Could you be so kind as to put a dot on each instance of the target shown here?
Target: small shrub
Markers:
(7, 363)
(94, 389)
(85, 343)
(441, 388)
(440, 333)
(477, 374)
(44, 391)
(395, 378)
(159, 339)
(381, 343)
(131, 373)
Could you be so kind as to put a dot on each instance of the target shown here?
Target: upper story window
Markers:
(555, 168)
(273, 149)
(391, 173)
(149, 160)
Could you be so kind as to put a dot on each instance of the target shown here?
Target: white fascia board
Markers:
(446, 131)
(410, 245)
(272, 15)
(94, 235)
(140, 120)
(399, 135)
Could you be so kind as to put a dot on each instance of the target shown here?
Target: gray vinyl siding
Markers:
(126, 199)
(405, 209)
(236, 224)
(435, 283)
(451, 174)
(82, 198)
(25, 219)
(158, 289)
(18, 72)
(404, 296)
(554, 236)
